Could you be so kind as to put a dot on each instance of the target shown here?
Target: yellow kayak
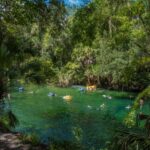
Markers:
(67, 97)
(91, 87)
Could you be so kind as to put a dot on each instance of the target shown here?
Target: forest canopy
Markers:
(104, 42)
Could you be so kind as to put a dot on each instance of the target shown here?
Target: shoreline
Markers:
(11, 141)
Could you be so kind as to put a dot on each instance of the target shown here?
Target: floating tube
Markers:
(51, 94)
(67, 97)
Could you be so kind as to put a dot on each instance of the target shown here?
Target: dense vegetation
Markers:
(106, 43)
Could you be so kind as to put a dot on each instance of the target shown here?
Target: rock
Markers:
(11, 141)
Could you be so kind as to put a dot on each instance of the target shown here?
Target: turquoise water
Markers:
(89, 118)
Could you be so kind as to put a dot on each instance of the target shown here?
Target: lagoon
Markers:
(89, 118)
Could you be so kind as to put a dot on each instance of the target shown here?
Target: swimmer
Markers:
(104, 96)
(102, 106)
(90, 107)
(128, 107)
(109, 97)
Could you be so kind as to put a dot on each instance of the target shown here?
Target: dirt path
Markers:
(10, 141)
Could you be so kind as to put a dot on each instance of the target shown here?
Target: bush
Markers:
(38, 70)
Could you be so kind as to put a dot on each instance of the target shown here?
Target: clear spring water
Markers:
(89, 118)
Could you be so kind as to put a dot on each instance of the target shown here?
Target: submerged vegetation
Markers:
(103, 43)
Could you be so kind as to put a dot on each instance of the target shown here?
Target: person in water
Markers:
(51, 94)
(21, 89)
(141, 103)
(81, 89)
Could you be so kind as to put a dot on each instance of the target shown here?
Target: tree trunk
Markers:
(3, 89)
(110, 26)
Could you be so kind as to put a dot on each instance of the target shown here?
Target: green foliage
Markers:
(116, 33)
(30, 139)
(130, 120)
(129, 140)
(38, 70)
(7, 121)
(105, 42)
(68, 74)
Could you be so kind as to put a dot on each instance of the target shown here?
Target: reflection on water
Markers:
(88, 118)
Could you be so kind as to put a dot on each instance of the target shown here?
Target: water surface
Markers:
(89, 118)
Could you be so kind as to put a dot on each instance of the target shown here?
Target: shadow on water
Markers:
(88, 128)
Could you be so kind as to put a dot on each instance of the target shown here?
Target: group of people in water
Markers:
(68, 98)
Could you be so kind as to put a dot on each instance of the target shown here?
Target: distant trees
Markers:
(26, 29)
(105, 42)
(116, 32)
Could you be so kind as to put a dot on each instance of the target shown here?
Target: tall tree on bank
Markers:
(122, 25)
(17, 18)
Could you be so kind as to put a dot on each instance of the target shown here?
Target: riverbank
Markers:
(11, 141)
